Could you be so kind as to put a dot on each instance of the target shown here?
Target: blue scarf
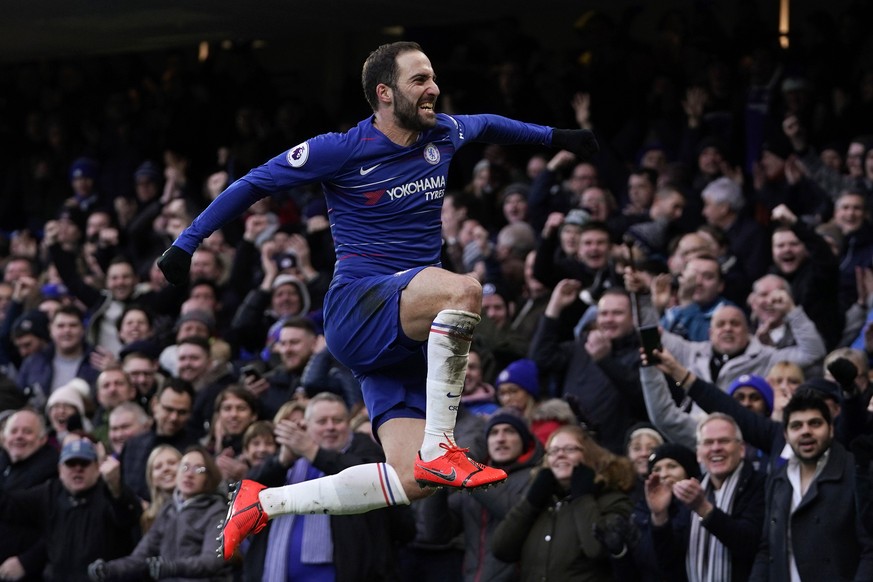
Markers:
(317, 546)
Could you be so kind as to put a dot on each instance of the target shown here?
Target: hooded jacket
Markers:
(254, 319)
(183, 535)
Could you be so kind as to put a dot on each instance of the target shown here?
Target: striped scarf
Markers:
(317, 546)
(707, 559)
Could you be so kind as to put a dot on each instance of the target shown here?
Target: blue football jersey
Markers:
(383, 199)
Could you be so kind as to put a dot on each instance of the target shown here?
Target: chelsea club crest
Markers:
(432, 154)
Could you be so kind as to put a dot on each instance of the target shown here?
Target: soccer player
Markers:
(392, 314)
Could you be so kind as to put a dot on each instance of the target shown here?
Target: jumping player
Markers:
(392, 314)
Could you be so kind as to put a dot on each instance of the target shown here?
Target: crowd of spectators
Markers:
(729, 205)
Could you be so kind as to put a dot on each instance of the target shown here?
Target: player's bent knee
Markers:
(466, 294)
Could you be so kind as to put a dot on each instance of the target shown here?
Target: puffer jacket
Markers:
(557, 543)
(183, 535)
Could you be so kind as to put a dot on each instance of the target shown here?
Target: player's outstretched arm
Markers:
(579, 141)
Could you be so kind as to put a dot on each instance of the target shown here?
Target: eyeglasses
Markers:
(567, 450)
(196, 469)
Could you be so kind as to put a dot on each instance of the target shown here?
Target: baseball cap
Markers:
(81, 449)
(577, 216)
(31, 322)
(756, 382)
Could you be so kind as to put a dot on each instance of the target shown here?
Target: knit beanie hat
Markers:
(516, 422)
(522, 372)
(679, 453)
(756, 382)
(67, 394)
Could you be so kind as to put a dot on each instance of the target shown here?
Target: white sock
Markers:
(357, 489)
(447, 347)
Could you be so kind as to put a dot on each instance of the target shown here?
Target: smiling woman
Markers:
(161, 478)
(580, 490)
(177, 545)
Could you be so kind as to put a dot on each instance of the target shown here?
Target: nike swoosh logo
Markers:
(368, 170)
(450, 395)
(445, 476)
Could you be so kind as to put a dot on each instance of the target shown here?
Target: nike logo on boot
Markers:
(445, 476)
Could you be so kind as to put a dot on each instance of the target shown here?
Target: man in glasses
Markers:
(719, 522)
(85, 514)
(171, 409)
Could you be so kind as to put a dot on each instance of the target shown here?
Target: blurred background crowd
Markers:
(729, 204)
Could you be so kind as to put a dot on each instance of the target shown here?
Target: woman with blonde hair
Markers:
(580, 489)
(784, 377)
(180, 545)
(161, 479)
(291, 410)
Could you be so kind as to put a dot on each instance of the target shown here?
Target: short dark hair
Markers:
(196, 341)
(781, 227)
(122, 260)
(381, 68)
(647, 173)
(149, 315)
(69, 310)
(598, 226)
(300, 322)
(200, 281)
(806, 399)
(178, 386)
(715, 233)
